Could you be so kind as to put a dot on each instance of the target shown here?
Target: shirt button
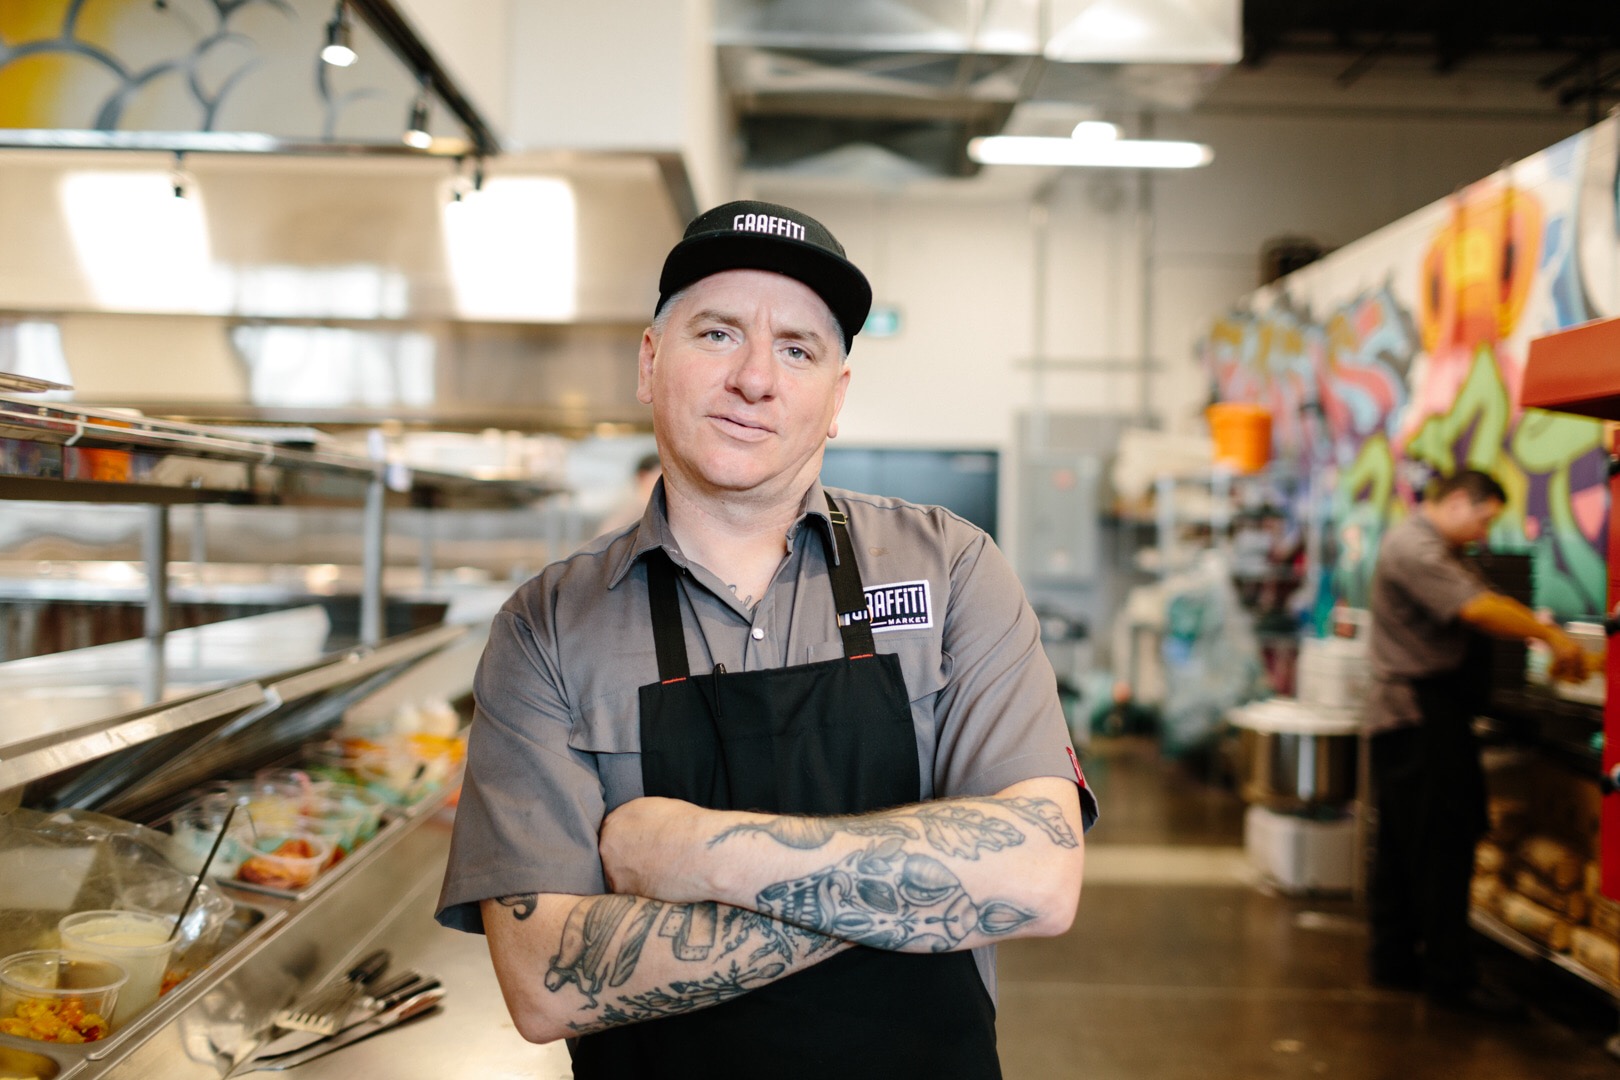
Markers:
(757, 634)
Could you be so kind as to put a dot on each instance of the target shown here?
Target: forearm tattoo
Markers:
(882, 896)
(604, 938)
(522, 904)
(888, 899)
(953, 828)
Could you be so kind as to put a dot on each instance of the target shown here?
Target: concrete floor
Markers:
(1179, 966)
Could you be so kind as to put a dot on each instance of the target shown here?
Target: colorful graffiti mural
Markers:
(1384, 390)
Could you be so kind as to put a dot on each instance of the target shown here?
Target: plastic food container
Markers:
(288, 863)
(135, 941)
(367, 803)
(339, 822)
(194, 828)
(55, 996)
(271, 805)
(402, 769)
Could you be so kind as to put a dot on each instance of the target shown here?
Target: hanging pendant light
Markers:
(339, 48)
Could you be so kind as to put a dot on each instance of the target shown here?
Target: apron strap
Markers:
(664, 598)
(849, 599)
(849, 595)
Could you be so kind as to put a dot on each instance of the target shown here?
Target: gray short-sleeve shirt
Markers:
(1419, 586)
(555, 742)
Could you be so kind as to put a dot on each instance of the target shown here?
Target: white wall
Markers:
(960, 262)
(469, 39)
(620, 75)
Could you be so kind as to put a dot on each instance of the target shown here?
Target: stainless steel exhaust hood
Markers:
(354, 288)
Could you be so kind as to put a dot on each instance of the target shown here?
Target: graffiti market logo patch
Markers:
(903, 605)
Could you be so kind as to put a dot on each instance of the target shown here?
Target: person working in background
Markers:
(628, 510)
(1428, 785)
(753, 785)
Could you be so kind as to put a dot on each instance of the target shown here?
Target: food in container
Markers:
(337, 821)
(403, 769)
(194, 828)
(367, 803)
(272, 805)
(138, 942)
(286, 862)
(55, 996)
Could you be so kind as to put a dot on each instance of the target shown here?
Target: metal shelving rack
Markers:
(53, 451)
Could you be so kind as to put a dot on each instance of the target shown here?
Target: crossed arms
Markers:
(708, 905)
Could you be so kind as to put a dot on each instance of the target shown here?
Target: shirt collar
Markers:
(653, 529)
(1429, 527)
(814, 510)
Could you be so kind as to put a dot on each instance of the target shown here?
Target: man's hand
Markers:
(1569, 660)
(645, 846)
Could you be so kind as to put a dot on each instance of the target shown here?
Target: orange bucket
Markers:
(1242, 434)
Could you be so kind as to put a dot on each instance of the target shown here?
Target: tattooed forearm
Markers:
(605, 939)
(888, 899)
(1045, 815)
(522, 904)
(683, 997)
(953, 828)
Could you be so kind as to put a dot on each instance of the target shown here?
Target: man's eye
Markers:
(795, 352)
(715, 335)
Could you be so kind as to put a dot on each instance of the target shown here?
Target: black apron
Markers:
(833, 737)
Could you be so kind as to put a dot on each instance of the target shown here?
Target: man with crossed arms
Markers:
(756, 783)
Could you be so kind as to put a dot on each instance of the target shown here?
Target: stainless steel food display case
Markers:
(129, 728)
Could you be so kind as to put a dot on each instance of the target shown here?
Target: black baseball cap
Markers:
(749, 235)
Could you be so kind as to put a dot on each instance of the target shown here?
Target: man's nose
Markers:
(754, 375)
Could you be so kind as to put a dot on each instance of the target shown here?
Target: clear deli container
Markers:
(52, 995)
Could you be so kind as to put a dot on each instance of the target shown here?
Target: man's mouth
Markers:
(739, 426)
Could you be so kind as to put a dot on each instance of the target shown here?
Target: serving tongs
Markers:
(413, 1003)
(327, 1009)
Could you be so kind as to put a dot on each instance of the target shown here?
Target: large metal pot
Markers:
(1296, 757)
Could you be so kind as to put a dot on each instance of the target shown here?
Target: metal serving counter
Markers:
(380, 896)
(213, 1021)
(473, 1037)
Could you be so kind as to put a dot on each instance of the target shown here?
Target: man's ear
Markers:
(644, 366)
(838, 401)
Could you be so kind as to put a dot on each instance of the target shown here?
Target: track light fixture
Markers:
(462, 186)
(416, 128)
(458, 183)
(339, 48)
(178, 180)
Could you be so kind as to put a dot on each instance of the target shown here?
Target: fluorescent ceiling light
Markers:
(1089, 153)
(1095, 131)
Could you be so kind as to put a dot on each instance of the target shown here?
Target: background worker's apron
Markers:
(833, 737)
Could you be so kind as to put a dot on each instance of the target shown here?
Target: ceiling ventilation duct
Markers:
(914, 80)
(1146, 32)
